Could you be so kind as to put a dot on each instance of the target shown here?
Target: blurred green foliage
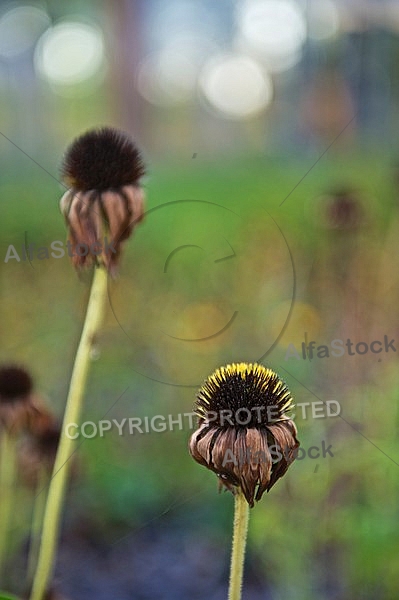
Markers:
(323, 532)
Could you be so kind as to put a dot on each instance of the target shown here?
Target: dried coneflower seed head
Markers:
(105, 201)
(15, 397)
(245, 434)
(343, 210)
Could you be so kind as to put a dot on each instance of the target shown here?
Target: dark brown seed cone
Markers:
(105, 202)
(245, 435)
(102, 159)
(15, 382)
(16, 400)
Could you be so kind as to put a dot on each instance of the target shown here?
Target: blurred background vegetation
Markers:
(233, 104)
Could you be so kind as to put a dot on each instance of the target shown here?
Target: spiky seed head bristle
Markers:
(15, 382)
(102, 159)
(248, 386)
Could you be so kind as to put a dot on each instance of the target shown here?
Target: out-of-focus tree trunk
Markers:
(125, 50)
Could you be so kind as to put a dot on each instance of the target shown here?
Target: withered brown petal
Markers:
(135, 197)
(65, 203)
(116, 207)
(84, 224)
(223, 454)
(16, 416)
(284, 434)
(260, 463)
(201, 444)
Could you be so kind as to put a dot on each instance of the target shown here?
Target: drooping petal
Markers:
(261, 462)
(284, 434)
(84, 224)
(135, 198)
(116, 208)
(201, 444)
(65, 203)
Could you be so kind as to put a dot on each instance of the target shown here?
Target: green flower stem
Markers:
(241, 516)
(37, 522)
(57, 488)
(7, 480)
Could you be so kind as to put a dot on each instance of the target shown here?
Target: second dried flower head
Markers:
(245, 434)
(102, 168)
(20, 408)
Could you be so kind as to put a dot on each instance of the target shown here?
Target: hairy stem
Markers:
(241, 516)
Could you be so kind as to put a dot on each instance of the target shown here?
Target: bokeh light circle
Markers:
(236, 86)
(169, 76)
(166, 78)
(70, 53)
(274, 29)
(323, 19)
(20, 27)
